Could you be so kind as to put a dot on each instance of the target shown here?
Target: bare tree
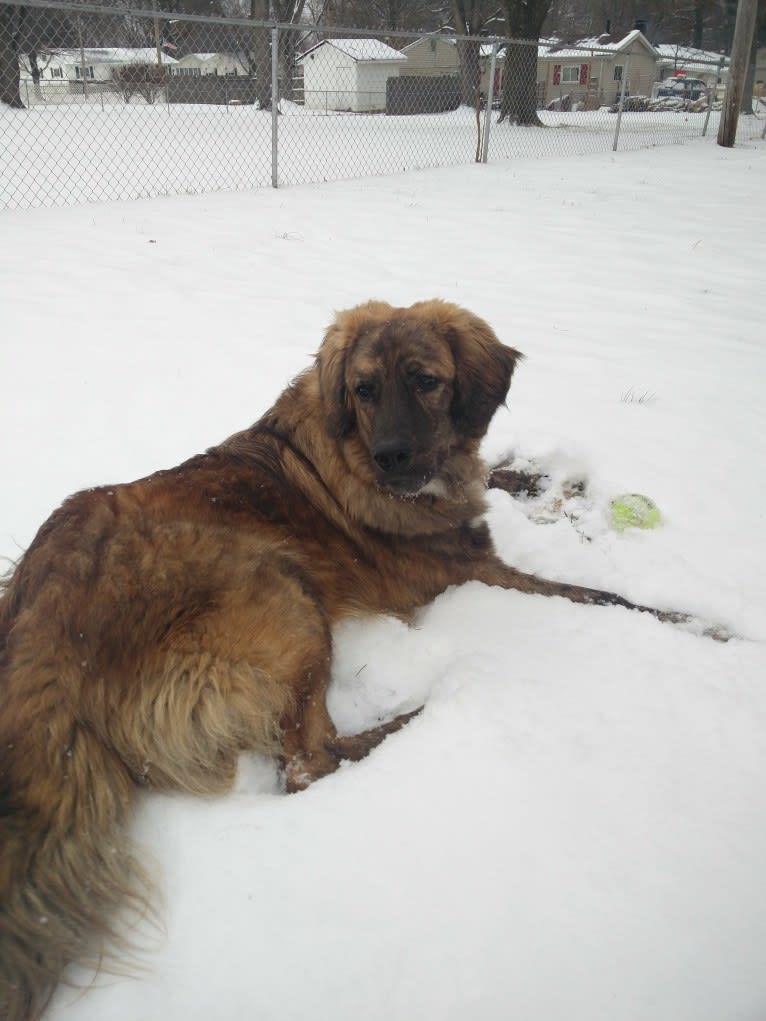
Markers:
(524, 21)
(34, 62)
(704, 24)
(25, 34)
(260, 55)
(12, 28)
(288, 12)
(254, 46)
(394, 15)
(472, 18)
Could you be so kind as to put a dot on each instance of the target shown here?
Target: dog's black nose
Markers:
(392, 455)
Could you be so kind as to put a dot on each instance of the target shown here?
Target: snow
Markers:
(69, 151)
(575, 826)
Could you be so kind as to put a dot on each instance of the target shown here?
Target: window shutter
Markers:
(583, 74)
(557, 74)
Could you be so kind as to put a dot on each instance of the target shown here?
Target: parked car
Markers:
(679, 87)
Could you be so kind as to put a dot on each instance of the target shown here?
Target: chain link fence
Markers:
(107, 103)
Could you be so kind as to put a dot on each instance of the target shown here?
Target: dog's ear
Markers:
(484, 368)
(331, 366)
(332, 360)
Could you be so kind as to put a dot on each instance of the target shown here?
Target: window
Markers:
(78, 72)
(57, 72)
(617, 76)
(570, 74)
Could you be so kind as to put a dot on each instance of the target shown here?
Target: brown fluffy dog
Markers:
(154, 631)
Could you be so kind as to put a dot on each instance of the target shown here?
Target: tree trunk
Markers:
(261, 62)
(518, 102)
(11, 24)
(287, 49)
(288, 11)
(698, 24)
(524, 20)
(470, 74)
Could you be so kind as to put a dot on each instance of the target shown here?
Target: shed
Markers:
(349, 74)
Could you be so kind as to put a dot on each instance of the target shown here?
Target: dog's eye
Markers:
(426, 383)
(364, 391)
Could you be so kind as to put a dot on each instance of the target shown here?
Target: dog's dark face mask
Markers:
(408, 384)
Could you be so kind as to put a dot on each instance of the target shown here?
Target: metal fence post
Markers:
(274, 105)
(490, 101)
(622, 101)
(321, 148)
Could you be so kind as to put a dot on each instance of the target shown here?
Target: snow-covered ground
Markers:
(575, 827)
(59, 154)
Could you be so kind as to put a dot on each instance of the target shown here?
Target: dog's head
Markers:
(406, 386)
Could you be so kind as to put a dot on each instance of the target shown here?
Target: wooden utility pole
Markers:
(740, 57)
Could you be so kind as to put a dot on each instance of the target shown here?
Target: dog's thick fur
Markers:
(155, 630)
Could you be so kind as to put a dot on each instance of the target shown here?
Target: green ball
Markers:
(633, 510)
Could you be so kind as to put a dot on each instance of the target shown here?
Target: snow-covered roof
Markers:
(360, 49)
(584, 47)
(687, 58)
(203, 58)
(110, 55)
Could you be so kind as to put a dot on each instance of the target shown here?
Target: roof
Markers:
(205, 57)
(687, 58)
(360, 49)
(110, 55)
(586, 47)
(485, 49)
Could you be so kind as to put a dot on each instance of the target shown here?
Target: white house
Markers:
(198, 65)
(91, 63)
(349, 74)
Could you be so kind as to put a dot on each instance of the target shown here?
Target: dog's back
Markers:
(151, 633)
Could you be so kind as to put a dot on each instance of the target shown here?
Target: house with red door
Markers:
(589, 74)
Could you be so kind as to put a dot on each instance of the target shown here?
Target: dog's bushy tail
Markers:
(65, 863)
